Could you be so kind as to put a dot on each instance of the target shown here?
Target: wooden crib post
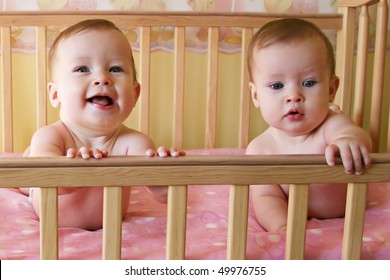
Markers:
(361, 67)
(6, 84)
(345, 58)
(144, 67)
(41, 73)
(176, 222)
(49, 223)
(354, 221)
(112, 223)
(212, 87)
(247, 34)
(238, 222)
(296, 222)
(178, 86)
(378, 73)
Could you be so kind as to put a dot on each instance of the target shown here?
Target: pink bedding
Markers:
(144, 228)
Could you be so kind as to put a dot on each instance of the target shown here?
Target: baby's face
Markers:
(93, 80)
(292, 86)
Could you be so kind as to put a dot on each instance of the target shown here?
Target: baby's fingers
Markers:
(354, 157)
(346, 156)
(71, 153)
(353, 160)
(176, 153)
(96, 153)
(84, 153)
(162, 152)
(330, 154)
(366, 155)
(150, 152)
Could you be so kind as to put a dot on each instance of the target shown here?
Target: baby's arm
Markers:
(269, 201)
(349, 141)
(48, 142)
(270, 206)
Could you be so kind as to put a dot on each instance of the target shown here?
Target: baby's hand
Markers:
(163, 152)
(86, 153)
(354, 155)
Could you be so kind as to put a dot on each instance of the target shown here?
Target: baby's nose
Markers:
(295, 99)
(102, 79)
(295, 96)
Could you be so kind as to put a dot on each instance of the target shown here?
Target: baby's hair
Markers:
(86, 25)
(288, 30)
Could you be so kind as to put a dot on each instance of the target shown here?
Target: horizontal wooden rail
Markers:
(211, 170)
(254, 20)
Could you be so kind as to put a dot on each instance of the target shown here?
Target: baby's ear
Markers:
(333, 86)
(137, 90)
(53, 94)
(253, 90)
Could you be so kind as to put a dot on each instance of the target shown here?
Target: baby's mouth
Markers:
(101, 100)
(293, 113)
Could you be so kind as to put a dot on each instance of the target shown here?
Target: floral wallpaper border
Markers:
(23, 39)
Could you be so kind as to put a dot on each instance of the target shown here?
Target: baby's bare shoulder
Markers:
(52, 131)
(336, 118)
(133, 141)
(335, 122)
(259, 145)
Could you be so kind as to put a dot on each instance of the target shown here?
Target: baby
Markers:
(94, 86)
(292, 73)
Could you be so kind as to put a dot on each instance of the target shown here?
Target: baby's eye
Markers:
(309, 83)
(116, 69)
(82, 69)
(276, 86)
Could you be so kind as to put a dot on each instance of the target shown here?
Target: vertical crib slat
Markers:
(212, 87)
(112, 223)
(145, 79)
(345, 57)
(354, 221)
(49, 223)
(6, 82)
(176, 222)
(378, 72)
(178, 75)
(238, 222)
(247, 34)
(41, 76)
(361, 66)
(296, 221)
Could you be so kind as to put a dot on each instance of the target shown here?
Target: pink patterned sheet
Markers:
(144, 228)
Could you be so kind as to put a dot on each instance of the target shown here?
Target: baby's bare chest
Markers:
(311, 145)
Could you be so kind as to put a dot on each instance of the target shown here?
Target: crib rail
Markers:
(133, 18)
(238, 171)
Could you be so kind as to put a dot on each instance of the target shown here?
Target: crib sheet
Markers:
(144, 228)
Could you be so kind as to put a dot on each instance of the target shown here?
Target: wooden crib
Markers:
(238, 171)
